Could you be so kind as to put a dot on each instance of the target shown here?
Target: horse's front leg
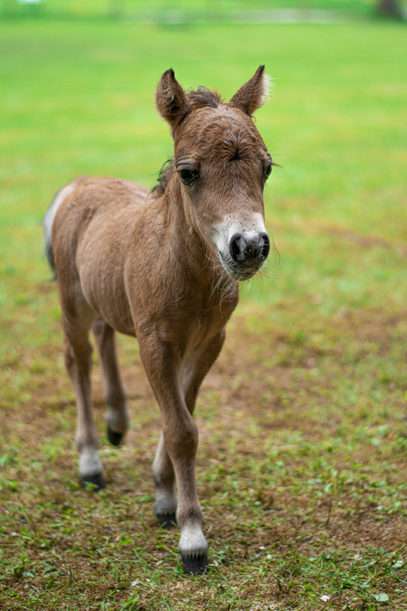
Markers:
(180, 438)
(194, 371)
(197, 367)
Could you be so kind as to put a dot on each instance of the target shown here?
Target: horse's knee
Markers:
(181, 438)
(69, 358)
(78, 356)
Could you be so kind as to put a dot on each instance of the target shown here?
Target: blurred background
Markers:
(193, 10)
(303, 419)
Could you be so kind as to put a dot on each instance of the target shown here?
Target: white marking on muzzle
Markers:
(250, 227)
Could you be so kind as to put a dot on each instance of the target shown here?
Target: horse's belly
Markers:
(104, 291)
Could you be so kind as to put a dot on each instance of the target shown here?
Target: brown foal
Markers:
(163, 266)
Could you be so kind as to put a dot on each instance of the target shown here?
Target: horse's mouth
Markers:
(237, 272)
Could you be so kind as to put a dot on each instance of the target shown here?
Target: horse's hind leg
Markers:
(117, 416)
(78, 360)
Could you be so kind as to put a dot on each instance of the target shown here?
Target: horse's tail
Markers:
(48, 221)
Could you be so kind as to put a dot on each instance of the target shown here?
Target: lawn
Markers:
(162, 10)
(303, 443)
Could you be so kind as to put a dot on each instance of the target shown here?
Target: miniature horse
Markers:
(163, 266)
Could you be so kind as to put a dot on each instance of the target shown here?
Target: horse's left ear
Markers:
(252, 94)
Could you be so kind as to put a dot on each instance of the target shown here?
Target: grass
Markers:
(192, 9)
(303, 442)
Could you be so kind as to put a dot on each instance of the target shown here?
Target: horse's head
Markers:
(221, 165)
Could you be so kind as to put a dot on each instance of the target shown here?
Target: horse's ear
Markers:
(252, 94)
(171, 99)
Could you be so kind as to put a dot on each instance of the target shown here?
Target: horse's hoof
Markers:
(166, 520)
(195, 564)
(114, 437)
(93, 481)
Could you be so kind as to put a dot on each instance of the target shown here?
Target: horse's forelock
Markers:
(202, 96)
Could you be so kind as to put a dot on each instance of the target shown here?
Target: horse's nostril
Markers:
(252, 250)
(265, 245)
(237, 247)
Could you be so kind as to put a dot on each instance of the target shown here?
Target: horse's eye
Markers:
(189, 175)
(267, 169)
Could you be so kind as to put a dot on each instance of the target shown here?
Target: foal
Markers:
(163, 266)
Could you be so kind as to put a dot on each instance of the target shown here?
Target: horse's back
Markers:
(88, 228)
(86, 202)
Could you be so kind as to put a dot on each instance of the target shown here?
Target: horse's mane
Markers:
(163, 178)
(198, 98)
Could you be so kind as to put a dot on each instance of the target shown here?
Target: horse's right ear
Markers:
(171, 99)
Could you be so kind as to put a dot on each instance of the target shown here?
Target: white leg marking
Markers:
(192, 540)
(89, 462)
(165, 501)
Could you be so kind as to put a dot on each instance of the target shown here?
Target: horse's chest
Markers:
(204, 321)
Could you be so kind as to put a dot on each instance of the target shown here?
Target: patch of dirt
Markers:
(264, 408)
(260, 379)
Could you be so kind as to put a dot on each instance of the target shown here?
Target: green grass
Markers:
(303, 442)
(192, 8)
